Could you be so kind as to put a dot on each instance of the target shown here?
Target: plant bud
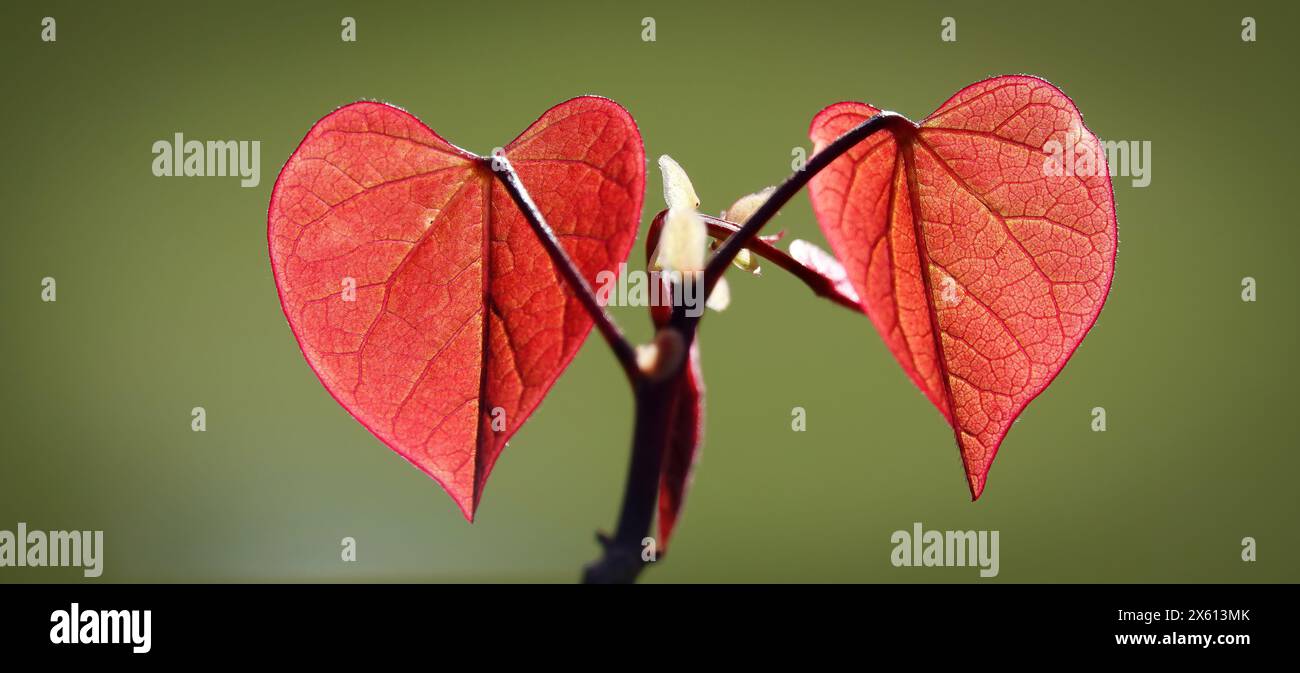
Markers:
(720, 298)
(679, 193)
(740, 212)
(661, 358)
(744, 207)
(684, 239)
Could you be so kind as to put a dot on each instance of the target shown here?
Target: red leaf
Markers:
(825, 265)
(1017, 261)
(683, 447)
(458, 310)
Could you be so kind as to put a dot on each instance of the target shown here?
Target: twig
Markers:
(786, 191)
(721, 230)
(618, 343)
(620, 561)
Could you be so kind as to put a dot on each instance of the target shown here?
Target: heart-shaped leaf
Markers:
(418, 292)
(979, 261)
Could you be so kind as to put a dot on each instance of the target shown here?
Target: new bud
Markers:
(684, 240)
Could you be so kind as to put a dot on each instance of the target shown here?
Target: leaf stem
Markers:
(721, 229)
(623, 350)
(786, 191)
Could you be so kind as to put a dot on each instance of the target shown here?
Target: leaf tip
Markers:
(468, 506)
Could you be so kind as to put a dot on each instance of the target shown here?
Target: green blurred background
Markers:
(166, 302)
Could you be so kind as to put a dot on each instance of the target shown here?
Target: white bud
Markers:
(745, 261)
(646, 356)
(679, 193)
(744, 207)
(720, 298)
(662, 357)
(683, 242)
(685, 238)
